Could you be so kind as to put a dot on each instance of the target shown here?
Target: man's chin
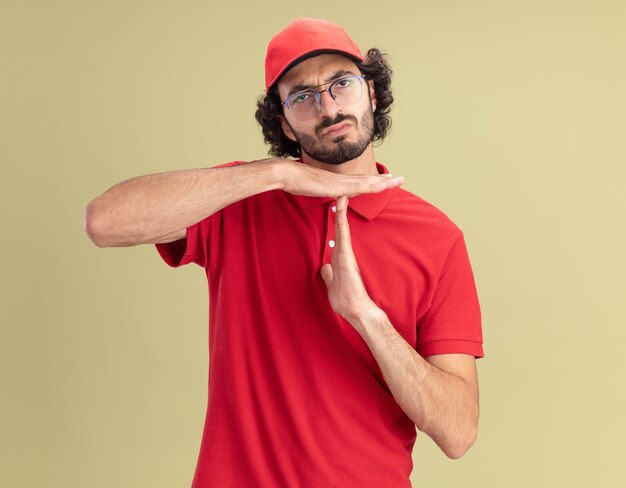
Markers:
(338, 150)
(337, 156)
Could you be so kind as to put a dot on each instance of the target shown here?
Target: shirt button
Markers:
(334, 208)
(331, 243)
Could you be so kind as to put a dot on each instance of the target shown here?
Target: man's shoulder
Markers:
(412, 208)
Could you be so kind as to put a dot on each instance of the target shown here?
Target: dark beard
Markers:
(341, 151)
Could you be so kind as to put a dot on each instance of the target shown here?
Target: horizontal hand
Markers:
(302, 179)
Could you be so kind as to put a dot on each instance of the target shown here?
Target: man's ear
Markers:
(370, 85)
(286, 129)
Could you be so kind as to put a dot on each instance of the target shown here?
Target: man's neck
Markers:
(365, 164)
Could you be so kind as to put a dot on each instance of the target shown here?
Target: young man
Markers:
(329, 342)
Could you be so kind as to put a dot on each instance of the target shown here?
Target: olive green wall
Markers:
(510, 116)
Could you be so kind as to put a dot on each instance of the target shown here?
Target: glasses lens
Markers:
(347, 91)
(303, 105)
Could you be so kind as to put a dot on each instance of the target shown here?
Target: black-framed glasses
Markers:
(306, 104)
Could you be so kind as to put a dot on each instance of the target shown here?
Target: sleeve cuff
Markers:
(183, 251)
(451, 347)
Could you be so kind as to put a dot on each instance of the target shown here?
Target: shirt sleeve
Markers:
(193, 248)
(452, 324)
(201, 242)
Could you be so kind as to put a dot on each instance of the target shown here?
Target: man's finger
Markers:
(342, 229)
(327, 274)
(386, 182)
(354, 185)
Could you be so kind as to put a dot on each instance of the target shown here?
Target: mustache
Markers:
(327, 122)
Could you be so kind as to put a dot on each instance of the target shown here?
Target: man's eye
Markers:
(346, 82)
(300, 98)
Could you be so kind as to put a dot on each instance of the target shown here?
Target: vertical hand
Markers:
(346, 291)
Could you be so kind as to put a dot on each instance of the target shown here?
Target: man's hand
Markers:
(302, 179)
(346, 291)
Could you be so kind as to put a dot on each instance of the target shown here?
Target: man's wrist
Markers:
(368, 319)
(278, 169)
(270, 173)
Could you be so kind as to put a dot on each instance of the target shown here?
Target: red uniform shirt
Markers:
(296, 399)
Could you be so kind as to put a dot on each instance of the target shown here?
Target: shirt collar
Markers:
(368, 205)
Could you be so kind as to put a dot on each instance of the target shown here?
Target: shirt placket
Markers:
(329, 240)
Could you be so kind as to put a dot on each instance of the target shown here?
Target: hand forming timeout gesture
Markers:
(346, 291)
(302, 179)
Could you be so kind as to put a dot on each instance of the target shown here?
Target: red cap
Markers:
(304, 38)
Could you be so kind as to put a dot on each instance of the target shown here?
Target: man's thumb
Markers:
(327, 274)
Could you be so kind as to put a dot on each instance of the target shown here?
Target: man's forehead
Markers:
(316, 70)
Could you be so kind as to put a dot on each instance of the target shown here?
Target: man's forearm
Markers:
(441, 404)
(160, 207)
(151, 208)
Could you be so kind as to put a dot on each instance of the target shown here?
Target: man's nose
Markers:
(328, 105)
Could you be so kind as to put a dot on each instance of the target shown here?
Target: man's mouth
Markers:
(336, 129)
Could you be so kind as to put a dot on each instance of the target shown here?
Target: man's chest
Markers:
(281, 253)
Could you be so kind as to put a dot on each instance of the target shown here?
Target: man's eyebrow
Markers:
(339, 74)
(336, 75)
